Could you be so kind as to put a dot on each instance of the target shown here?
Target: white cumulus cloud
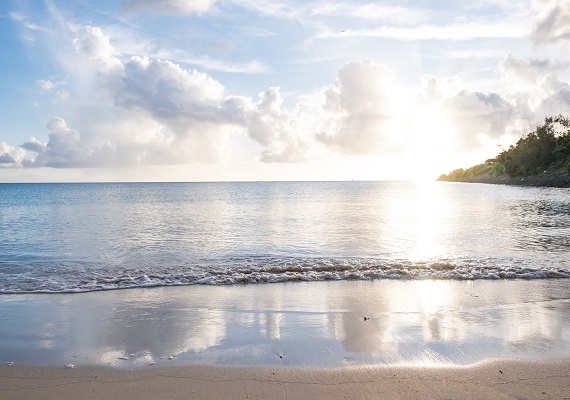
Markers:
(64, 148)
(10, 156)
(535, 88)
(360, 110)
(96, 45)
(276, 128)
(192, 115)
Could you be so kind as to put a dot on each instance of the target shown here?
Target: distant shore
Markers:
(494, 379)
(559, 180)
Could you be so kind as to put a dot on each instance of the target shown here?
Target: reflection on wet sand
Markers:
(292, 324)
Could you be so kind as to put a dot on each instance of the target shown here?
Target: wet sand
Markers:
(321, 324)
(349, 339)
(491, 380)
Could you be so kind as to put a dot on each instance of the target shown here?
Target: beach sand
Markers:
(321, 340)
(499, 379)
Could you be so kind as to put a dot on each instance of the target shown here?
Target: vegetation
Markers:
(546, 151)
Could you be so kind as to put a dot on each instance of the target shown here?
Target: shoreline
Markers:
(345, 339)
(556, 181)
(498, 379)
(304, 324)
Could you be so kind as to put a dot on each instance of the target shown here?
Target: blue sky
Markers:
(273, 90)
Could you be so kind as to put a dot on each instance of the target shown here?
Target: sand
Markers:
(319, 324)
(498, 379)
(325, 340)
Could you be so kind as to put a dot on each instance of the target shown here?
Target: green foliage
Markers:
(546, 150)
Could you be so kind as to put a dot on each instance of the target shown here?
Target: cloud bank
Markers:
(126, 108)
(165, 114)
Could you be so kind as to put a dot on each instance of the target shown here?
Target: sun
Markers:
(430, 142)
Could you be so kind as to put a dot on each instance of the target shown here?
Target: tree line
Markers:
(546, 150)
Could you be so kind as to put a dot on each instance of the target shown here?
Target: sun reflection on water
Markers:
(432, 295)
(420, 222)
(422, 322)
(431, 212)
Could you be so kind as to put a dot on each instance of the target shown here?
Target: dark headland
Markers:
(539, 158)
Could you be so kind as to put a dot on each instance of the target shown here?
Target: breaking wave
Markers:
(74, 278)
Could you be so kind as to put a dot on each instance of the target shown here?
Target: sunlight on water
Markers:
(83, 237)
(419, 222)
(432, 295)
(431, 214)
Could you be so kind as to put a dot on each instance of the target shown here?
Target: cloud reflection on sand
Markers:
(305, 323)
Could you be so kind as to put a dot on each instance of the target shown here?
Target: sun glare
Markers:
(432, 295)
(431, 211)
(430, 142)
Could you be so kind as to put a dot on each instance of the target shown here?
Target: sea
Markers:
(82, 237)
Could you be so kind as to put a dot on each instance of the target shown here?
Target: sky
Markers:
(244, 90)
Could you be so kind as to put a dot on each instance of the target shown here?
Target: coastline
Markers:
(557, 180)
(497, 379)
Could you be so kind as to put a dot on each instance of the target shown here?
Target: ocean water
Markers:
(58, 238)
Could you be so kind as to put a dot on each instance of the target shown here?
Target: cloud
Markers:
(371, 11)
(531, 90)
(465, 30)
(275, 8)
(6, 158)
(185, 102)
(34, 145)
(270, 124)
(158, 113)
(250, 67)
(61, 96)
(552, 22)
(48, 87)
(167, 7)
(525, 72)
(167, 91)
(10, 156)
(475, 113)
(96, 45)
(45, 85)
(360, 110)
(64, 148)
(341, 19)
(196, 110)
(143, 110)
(536, 88)
(24, 20)
(472, 118)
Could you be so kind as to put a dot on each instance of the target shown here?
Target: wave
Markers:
(76, 278)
